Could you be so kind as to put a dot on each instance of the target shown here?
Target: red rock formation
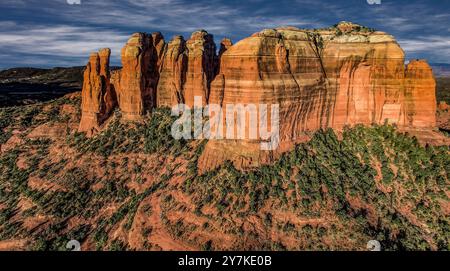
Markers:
(334, 77)
(157, 54)
(420, 95)
(225, 44)
(173, 72)
(110, 98)
(98, 99)
(328, 78)
(136, 88)
(137, 81)
(159, 45)
(115, 79)
(135, 91)
(370, 84)
(188, 70)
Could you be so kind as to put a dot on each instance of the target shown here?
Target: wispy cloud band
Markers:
(48, 33)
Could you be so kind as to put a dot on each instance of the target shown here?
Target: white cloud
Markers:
(72, 31)
(437, 46)
(77, 30)
(59, 41)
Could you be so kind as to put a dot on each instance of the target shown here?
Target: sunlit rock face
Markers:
(201, 63)
(188, 69)
(420, 96)
(173, 73)
(98, 98)
(334, 78)
(136, 91)
(328, 78)
(225, 44)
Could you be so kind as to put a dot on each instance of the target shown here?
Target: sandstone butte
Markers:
(328, 78)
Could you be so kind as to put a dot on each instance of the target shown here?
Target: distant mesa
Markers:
(340, 76)
(441, 69)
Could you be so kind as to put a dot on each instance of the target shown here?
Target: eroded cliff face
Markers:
(333, 78)
(201, 63)
(188, 69)
(173, 73)
(421, 103)
(330, 78)
(136, 89)
(98, 97)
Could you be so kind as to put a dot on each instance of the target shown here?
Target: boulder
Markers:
(420, 95)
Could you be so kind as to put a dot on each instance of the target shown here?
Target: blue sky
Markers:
(46, 33)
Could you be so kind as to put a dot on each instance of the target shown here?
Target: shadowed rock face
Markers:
(443, 106)
(173, 73)
(225, 44)
(98, 98)
(136, 79)
(201, 67)
(188, 69)
(329, 78)
(421, 104)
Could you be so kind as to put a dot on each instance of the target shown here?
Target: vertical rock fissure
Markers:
(318, 42)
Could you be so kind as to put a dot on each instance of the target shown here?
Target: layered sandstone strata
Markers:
(188, 69)
(334, 77)
(420, 96)
(329, 78)
(201, 63)
(98, 97)
(225, 44)
(173, 73)
(136, 80)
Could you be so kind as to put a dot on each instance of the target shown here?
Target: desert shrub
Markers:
(151, 135)
(330, 170)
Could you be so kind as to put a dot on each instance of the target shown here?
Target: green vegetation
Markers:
(329, 193)
(404, 212)
(151, 136)
(66, 190)
(355, 28)
(26, 117)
